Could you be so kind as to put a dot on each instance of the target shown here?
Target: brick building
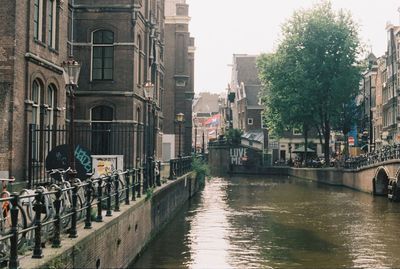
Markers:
(33, 38)
(246, 108)
(179, 78)
(120, 46)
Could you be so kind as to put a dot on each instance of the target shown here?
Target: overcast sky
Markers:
(226, 27)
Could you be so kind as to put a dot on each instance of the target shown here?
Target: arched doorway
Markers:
(381, 182)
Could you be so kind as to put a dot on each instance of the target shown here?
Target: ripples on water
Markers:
(278, 223)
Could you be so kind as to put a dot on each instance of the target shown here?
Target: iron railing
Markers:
(22, 229)
(180, 166)
(100, 139)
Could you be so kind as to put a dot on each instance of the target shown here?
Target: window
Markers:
(297, 131)
(37, 19)
(103, 55)
(36, 96)
(51, 102)
(52, 23)
(250, 121)
(102, 116)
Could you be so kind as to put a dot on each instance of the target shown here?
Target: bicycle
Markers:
(66, 196)
(5, 219)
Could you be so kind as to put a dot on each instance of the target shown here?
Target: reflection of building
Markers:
(179, 78)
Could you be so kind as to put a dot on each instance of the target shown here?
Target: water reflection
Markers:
(278, 223)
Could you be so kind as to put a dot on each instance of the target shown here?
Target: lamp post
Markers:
(71, 75)
(202, 147)
(180, 119)
(148, 93)
(290, 153)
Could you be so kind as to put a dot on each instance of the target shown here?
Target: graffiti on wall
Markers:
(238, 156)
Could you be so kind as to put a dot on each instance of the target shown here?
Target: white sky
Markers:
(225, 27)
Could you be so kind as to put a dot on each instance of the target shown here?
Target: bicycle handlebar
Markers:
(59, 171)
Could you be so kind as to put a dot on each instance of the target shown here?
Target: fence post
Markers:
(73, 233)
(30, 159)
(99, 217)
(57, 220)
(116, 184)
(14, 263)
(127, 187)
(139, 180)
(133, 177)
(108, 210)
(37, 249)
(88, 219)
(158, 174)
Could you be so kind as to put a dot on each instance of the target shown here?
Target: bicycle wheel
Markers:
(6, 224)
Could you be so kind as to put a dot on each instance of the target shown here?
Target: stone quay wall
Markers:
(118, 240)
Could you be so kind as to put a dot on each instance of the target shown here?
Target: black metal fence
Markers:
(30, 220)
(99, 138)
(180, 166)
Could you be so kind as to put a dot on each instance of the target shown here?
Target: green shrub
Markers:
(201, 169)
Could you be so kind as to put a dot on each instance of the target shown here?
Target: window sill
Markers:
(39, 42)
(53, 50)
(102, 81)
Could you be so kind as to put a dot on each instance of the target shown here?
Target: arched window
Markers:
(103, 55)
(102, 116)
(36, 101)
(52, 105)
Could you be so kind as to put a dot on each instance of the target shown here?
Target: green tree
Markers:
(313, 73)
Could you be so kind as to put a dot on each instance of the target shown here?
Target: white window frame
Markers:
(250, 121)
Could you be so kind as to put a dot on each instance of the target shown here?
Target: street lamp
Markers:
(148, 93)
(71, 75)
(180, 117)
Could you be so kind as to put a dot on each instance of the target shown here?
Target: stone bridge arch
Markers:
(381, 181)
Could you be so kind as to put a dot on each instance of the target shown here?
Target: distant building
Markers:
(206, 118)
(247, 108)
(390, 87)
(179, 78)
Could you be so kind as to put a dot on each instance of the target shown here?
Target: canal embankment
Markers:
(119, 239)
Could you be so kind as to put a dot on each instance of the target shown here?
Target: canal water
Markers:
(278, 222)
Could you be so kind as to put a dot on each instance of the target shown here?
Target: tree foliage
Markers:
(314, 73)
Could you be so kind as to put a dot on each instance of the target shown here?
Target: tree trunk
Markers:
(305, 132)
(327, 136)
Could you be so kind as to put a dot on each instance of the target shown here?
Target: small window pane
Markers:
(97, 37)
(108, 63)
(97, 63)
(97, 52)
(108, 37)
(107, 73)
(96, 73)
(108, 51)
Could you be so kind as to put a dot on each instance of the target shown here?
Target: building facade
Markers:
(33, 40)
(120, 46)
(179, 79)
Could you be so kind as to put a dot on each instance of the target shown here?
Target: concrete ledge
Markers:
(115, 242)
